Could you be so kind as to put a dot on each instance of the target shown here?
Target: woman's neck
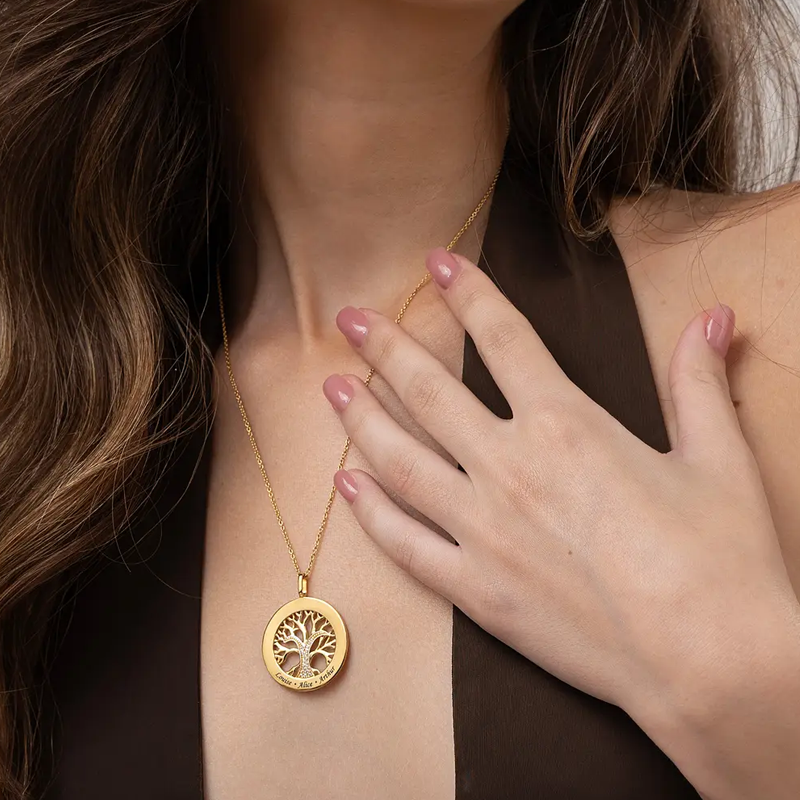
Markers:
(370, 129)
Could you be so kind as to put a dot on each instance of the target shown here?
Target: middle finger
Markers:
(434, 397)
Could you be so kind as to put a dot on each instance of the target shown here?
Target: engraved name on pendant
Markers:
(305, 644)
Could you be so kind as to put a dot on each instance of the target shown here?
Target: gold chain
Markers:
(249, 428)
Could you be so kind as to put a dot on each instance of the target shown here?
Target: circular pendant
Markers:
(305, 644)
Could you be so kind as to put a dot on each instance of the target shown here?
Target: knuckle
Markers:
(405, 550)
(555, 424)
(402, 471)
(494, 601)
(423, 392)
(371, 515)
(710, 378)
(442, 575)
(699, 375)
(500, 338)
(470, 299)
(357, 422)
(384, 345)
(521, 483)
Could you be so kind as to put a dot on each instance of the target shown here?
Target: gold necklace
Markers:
(305, 642)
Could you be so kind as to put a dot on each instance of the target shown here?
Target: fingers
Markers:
(425, 555)
(407, 467)
(511, 349)
(434, 397)
(707, 426)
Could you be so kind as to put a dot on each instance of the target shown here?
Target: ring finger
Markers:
(407, 467)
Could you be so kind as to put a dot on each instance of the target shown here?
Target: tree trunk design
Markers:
(305, 634)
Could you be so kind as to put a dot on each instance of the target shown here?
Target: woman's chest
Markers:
(383, 727)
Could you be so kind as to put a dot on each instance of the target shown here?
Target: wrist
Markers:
(730, 723)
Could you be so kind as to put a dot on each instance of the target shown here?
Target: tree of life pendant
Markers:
(305, 644)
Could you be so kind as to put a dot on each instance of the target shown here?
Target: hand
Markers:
(640, 577)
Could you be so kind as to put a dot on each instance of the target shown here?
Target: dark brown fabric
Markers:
(124, 711)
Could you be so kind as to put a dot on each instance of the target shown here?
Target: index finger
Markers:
(507, 343)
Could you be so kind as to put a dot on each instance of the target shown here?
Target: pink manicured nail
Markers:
(353, 324)
(346, 484)
(719, 328)
(442, 266)
(338, 390)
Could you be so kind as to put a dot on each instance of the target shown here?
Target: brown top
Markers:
(125, 708)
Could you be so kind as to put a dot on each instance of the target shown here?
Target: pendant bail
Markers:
(302, 584)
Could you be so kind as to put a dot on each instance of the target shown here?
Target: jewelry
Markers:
(305, 642)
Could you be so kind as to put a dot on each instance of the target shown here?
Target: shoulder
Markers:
(695, 250)
(685, 252)
(667, 219)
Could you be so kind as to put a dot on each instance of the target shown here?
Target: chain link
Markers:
(249, 428)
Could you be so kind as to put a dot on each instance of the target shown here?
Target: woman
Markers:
(602, 602)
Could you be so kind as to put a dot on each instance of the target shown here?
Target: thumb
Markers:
(707, 426)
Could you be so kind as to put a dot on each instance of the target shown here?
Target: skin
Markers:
(328, 123)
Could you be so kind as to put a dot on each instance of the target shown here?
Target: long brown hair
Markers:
(111, 176)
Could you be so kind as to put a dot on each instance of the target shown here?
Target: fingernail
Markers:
(338, 390)
(719, 328)
(353, 324)
(346, 485)
(442, 266)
